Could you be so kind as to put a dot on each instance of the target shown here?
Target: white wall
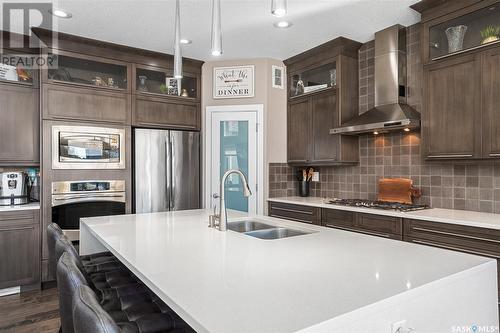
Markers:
(274, 101)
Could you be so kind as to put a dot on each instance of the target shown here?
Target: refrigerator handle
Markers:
(168, 176)
(172, 175)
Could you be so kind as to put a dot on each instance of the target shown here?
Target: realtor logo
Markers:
(20, 17)
(17, 20)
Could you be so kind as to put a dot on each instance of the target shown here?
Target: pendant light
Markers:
(177, 43)
(216, 29)
(278, 8)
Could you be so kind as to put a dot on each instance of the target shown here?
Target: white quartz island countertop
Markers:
(325, 281)
(453, 216)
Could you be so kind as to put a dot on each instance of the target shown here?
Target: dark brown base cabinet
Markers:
(19, 248)
(298, 213)
(370, 224)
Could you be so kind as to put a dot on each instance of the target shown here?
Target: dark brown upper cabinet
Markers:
(161, 101)
(323, 92)
(459, 118)
(490, 103)
(452, 117)
(101, 82)
(20, 125)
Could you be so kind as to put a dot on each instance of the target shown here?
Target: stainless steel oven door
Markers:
(68, 209)
(85, 147)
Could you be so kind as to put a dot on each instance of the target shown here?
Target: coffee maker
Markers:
(13, 189)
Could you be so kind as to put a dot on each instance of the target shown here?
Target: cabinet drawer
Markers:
(305, 214)
(379, 225)
(334, 218)
(62, 102)
(479, 241)
(22, 217)
(160, 112)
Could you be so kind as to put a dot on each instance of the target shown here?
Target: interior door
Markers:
(234, 146)
(152, 170)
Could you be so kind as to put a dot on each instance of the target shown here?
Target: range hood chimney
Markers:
(391, 111)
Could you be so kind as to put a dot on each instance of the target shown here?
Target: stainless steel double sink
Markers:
(262, 230)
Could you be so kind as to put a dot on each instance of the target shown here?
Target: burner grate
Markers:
(376, 204)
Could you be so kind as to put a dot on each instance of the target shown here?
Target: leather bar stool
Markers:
(54, 232)
(90, 317)
(140, 317)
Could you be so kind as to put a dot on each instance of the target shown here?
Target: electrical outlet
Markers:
(315, 177)
(399, 327)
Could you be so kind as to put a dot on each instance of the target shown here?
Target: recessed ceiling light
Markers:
(60, 13)
(185, 41)
(283, 24)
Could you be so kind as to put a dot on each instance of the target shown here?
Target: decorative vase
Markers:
(489, 40)
(142, 83)
(333, 77)
(455, 37)
(303, 188)
(299, 89)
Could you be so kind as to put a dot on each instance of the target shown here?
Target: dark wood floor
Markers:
(33, 312)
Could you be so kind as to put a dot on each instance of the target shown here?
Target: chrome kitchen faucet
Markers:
(220, 220)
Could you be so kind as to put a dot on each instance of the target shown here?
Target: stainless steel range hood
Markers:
(391, 111)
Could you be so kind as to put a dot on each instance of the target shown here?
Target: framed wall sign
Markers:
(277, 77)
(234, 82)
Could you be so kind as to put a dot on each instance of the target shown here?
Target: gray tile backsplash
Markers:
(446, 185)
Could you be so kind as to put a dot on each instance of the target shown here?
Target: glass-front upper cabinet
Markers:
(313, 80)
(14, 70)
(155, 81)
(88, 72)
(466, 32)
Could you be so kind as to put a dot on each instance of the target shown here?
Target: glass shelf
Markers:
(471, 31)
(15, 74)
(162, 83)
(314, 80)
(89, 73)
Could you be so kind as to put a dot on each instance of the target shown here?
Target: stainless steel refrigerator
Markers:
(166, 170)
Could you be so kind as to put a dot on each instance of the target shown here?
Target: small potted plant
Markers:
(490, 34)
(163, 88)
(304, 178)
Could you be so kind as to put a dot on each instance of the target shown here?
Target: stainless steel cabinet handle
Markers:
(290, 218)
(372, 233)
(450, 156)
(495, 155)
(453, 248)
(455, 234)
(292, 210)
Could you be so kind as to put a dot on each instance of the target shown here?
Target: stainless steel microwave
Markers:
(85, 147)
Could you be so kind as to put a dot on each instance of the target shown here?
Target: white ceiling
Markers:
(247, 25)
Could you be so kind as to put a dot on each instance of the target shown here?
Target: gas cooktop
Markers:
(376, 204)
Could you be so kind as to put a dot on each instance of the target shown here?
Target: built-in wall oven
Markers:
(72, 200)
(88, 147)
